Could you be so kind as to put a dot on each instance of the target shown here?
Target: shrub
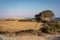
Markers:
(53, 26)
(50, 24)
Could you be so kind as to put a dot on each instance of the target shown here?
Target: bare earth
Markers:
(26, 37)
(30, 37)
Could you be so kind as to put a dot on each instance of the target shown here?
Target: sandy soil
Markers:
(26, 37)
(22, 38)
(30, 37)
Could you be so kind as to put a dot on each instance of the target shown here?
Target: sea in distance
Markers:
(58, 19)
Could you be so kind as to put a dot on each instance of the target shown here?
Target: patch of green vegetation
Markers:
(53, 26)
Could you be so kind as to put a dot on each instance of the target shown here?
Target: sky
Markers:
(27, 8)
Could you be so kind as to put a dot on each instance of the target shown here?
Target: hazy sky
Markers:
(27, 8)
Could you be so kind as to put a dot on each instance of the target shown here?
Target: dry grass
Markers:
(18, 26)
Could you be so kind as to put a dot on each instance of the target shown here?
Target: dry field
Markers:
(18, 26)
(12, 26)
